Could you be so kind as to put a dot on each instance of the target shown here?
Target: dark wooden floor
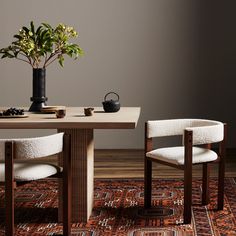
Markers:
(129, 164)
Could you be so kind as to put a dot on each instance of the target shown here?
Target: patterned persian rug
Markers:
(118, 210)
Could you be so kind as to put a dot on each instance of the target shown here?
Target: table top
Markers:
(125, 118)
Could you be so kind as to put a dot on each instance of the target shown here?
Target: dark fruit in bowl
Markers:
(12, 112)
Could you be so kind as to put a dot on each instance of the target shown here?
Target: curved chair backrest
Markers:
(27, 148)
(204, 131)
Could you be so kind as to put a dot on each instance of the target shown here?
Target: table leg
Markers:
(82, 159)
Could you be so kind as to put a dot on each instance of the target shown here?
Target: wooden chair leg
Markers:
(187, 195)
(221, 173)
(9, 189)
(205, 183)
(188, 177)
(67, 186)
(221, 176)
(147, 182)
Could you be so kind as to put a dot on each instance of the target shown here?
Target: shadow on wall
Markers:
(216, 63)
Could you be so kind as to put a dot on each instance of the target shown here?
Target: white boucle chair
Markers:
(198, 134)
(15, 155)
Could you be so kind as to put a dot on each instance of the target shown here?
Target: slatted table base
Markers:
(82, 155)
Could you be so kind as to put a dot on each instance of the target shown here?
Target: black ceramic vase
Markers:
(39, 90)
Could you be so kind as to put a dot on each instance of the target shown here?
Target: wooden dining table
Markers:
(81, 129)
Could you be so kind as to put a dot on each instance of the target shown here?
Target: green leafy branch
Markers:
(43, 46)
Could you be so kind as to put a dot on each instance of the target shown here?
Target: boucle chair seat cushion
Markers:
(175, 155)
(27, 171)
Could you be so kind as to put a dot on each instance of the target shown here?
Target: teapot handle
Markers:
(118, 97)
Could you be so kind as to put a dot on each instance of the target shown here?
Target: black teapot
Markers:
(111, 105)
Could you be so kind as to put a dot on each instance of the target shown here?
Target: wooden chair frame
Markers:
(9, 186)
(187, 167)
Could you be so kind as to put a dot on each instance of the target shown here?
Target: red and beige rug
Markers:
(118, 210)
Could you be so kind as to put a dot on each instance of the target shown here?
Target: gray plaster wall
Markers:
(173, 58)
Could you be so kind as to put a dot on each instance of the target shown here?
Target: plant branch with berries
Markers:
(42, 46)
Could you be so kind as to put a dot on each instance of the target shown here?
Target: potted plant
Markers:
(39, 48)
